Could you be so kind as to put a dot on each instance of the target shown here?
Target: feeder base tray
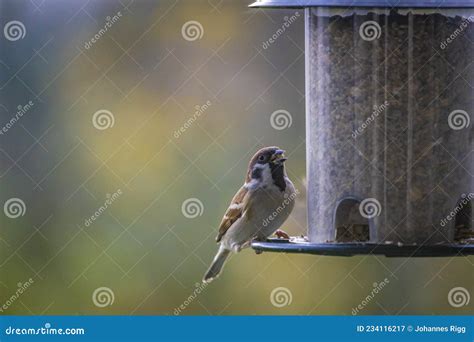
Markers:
(351, 249)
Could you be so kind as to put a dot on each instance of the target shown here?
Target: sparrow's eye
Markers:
(261, 158)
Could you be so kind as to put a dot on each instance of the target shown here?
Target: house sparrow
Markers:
(258, 209)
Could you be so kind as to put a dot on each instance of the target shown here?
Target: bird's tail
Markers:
(216, 266)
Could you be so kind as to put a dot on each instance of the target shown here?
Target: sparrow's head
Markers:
(267, 165)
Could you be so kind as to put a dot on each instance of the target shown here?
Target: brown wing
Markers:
(236, 208)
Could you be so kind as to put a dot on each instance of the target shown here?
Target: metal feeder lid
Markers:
(365, 3)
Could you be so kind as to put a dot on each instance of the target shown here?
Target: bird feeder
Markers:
(389, 138)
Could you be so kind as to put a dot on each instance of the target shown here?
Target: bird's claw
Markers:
(281, 234)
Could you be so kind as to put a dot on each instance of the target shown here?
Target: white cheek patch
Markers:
(267, 175)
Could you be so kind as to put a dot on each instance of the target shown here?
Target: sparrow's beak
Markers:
(279, 157)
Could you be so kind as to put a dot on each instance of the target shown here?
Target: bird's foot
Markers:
(281, 234)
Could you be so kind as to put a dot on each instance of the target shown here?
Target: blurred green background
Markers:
(150, 78)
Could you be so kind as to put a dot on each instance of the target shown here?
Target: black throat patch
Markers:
(278, 175)
(256, 173)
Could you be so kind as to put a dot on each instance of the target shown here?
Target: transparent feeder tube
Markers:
(390, 104)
